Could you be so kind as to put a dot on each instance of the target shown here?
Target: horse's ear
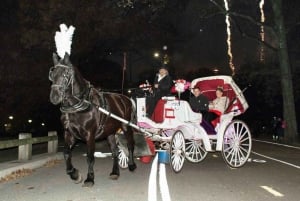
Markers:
(55, 59)
(66, 60)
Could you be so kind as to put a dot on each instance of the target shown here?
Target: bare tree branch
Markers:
(248, 18)
(244, 34)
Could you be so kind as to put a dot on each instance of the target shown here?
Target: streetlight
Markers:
(11, 117)
(156, 54)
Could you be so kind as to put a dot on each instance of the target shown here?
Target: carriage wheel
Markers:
(237, 144)
(177, 151)
(123, 158)
(195, 151)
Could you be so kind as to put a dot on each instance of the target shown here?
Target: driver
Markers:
(161, 87)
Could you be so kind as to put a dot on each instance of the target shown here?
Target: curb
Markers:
(36, 162)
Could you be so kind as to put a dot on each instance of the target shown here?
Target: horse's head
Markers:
(61, 75)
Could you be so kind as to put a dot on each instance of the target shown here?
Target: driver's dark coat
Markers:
(164, 86)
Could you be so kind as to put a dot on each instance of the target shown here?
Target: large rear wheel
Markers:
(177, 151)
(237, 144)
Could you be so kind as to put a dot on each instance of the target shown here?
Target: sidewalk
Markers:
(7, 168)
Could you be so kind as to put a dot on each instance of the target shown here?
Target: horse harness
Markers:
(85, 104)
(84, 99)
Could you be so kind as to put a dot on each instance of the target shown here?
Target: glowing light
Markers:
(227, 21)
(215, 70)
(262, 32)
(156, 54)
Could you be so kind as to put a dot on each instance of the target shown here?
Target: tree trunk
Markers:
(289, 114)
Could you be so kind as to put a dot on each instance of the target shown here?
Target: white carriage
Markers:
(187, 136)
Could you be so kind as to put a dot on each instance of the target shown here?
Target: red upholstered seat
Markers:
(216, 120)
(158, 114)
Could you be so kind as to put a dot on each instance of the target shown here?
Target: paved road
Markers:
(272, 174)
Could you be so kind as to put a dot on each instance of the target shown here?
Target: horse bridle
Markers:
(83, 103)
(68, 77)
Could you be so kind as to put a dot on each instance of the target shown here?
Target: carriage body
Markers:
(185, 131)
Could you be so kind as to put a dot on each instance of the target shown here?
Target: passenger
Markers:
(199, 102)
(161, 87)
(217, 106)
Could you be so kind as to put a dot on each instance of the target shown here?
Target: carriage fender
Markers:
(195, 131)
(224, 122)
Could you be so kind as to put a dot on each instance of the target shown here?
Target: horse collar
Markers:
(83, 104)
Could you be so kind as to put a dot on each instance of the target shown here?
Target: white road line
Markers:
(277, 160)
(163, 184)
(272, 191)
(275, 143)
(152, 180)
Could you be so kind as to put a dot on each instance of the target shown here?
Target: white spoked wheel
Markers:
(195, 151)
(177, 151)
(237, 144)
(123, 159)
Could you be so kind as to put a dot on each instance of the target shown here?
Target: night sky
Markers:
(194, 32)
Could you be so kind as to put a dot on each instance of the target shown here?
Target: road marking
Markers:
(277, 160)
(259, 161)
(279, 144)
(163, 184)
(152, 180)
(272, 191)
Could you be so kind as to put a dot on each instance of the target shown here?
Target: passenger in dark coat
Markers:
(199, 102)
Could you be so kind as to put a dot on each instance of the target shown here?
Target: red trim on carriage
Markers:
(169, 113)
(158, 113)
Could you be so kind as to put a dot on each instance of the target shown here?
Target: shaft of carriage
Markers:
(144, 131)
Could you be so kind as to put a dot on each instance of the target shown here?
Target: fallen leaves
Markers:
(16, 174)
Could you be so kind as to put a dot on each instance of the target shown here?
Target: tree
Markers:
(286, 76)
(283, 58)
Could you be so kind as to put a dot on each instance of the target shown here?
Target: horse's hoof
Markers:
(113, 176)
(132, 167)
(88, 184)
(79, 179)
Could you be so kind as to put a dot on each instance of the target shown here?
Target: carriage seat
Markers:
(173, 108)
(158, 113)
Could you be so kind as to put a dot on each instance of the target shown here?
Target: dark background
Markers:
(194, 32)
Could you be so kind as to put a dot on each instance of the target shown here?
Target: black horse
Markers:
(83, 121)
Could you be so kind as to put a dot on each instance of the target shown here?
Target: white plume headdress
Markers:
(63, 40)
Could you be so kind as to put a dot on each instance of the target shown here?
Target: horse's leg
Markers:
(89, 182)
(130, 144)
(115, 153)
(73, 172)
